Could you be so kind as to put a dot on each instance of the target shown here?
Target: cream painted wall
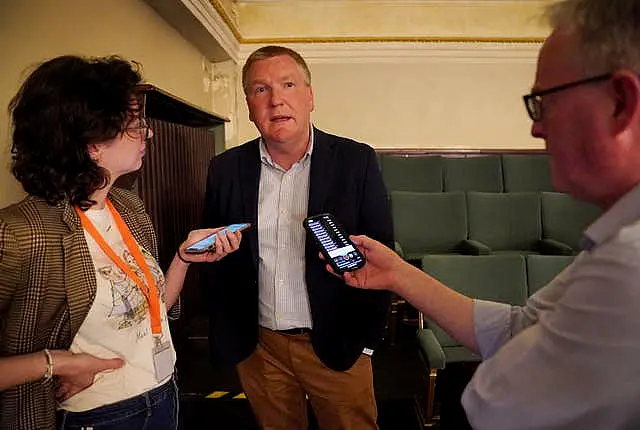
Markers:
(438, 97)
(35, 30)
(318, 19)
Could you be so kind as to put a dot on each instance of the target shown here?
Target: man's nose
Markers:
(537, 130)
(276, 96)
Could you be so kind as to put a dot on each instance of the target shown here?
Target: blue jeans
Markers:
(155, 409)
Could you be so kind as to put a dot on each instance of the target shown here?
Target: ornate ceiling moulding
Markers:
(232, 23)
(462, 39)
(448, 51)
(224, 14)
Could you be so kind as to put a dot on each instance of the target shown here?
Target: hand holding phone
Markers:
(334, 243)
(208, 243)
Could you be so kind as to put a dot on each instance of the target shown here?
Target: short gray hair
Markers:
(608, 32)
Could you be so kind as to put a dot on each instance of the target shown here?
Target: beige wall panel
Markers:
(452, 102)
(389, 19)
(35, 30)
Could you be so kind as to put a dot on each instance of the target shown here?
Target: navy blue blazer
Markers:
(345, 181)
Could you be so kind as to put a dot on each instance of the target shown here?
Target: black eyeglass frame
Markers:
(142, 118)
(533, 101)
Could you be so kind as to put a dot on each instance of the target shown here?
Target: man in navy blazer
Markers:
(292, 328)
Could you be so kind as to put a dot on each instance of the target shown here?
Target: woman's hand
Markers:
(226, 242)
(76, 372)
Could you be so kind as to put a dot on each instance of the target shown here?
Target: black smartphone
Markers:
(206, 244)
(336, 247)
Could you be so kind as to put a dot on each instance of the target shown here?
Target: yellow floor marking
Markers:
(217, 394)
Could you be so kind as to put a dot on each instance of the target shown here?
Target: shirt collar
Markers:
(266, 157)
(625, 211)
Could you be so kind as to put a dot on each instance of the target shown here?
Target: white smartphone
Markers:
(208, 243)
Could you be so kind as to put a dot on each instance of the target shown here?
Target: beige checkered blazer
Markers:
(47, 286)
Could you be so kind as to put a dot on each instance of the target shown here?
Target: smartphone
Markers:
(336, 247)
(207, 244)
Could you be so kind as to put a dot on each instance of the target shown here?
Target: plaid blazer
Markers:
(47, 286)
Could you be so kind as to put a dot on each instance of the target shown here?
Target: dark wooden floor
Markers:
(398, 376)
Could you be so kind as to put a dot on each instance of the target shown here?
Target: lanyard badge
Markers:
(162, 357)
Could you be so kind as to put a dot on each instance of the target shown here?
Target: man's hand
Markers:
(382, 269)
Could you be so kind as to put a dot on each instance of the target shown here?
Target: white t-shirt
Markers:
(118, 323)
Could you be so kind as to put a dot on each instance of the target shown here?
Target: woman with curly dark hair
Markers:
(83, 302)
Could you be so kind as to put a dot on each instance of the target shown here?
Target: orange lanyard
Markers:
(149, 289)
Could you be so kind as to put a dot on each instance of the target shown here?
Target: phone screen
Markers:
(208, 242)
(342, 254)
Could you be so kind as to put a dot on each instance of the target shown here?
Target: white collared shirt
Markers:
(283, 199)
(570, 358)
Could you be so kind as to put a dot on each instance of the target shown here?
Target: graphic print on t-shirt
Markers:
(129, 305)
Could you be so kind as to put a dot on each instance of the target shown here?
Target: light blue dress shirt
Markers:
(570, 358)
(283, 198)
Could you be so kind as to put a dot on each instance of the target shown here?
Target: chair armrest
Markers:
(431, 349)
(472, 247)
(413, 258)
(554, 247)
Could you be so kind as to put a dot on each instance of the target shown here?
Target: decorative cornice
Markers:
(461, 39)
(233, 26)
(215, 24)
(414, 52)
(222, 11)
(201, 25)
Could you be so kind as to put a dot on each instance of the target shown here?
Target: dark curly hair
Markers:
(66, 104)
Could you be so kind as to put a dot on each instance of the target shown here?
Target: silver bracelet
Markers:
(49, 373)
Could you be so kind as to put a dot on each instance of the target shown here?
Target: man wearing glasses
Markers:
(569, 358)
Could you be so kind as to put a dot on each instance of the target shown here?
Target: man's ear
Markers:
(246, 98)
(626, 93)
(312, 107)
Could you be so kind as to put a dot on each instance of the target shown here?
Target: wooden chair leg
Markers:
(393, 323)
(430, 419)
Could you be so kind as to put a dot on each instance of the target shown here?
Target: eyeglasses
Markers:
(533, 101)
(142, 128)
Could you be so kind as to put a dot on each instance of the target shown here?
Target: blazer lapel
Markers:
(79, 272)
(250, 181)
(323, 166)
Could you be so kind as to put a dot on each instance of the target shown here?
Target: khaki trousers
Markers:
(284, 368)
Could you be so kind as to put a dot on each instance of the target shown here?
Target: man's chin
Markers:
(281, 136)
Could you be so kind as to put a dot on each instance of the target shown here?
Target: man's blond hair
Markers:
(274, 51)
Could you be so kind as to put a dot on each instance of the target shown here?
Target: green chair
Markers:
(505, 222)
(564, 219)
(541, 269)
(412, 173)
(508, 223)
(481, 173)
(500, 278)
(427, 223)
(526, 172)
